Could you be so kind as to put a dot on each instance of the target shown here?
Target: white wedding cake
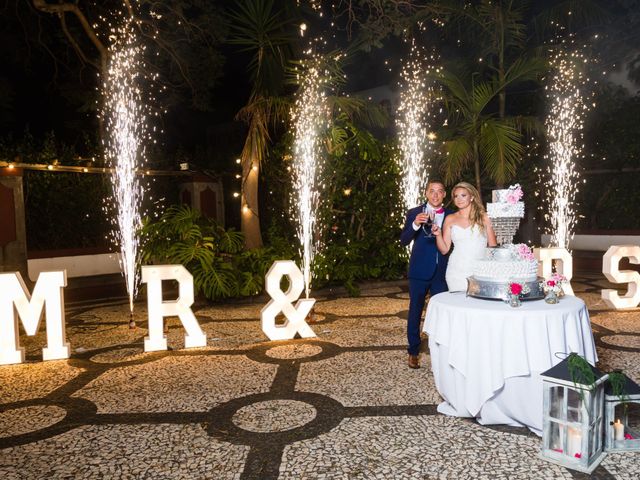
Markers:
(506, 203)
(501, 266)
(511, 263)
(505, 211)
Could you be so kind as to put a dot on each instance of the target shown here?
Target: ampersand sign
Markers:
(283, 302)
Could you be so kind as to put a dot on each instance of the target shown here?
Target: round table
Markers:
(487, 356)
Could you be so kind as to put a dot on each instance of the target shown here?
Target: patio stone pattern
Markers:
(343, 405)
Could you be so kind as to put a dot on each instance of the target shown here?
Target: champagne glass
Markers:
(428, 225)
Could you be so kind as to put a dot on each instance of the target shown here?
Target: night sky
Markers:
(44, 88)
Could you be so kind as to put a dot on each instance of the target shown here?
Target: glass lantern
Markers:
(572, 418)
(622, 418)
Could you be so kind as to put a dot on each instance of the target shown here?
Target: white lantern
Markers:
(572, 418)
(621, 416)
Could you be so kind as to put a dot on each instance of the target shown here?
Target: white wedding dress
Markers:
(468, 245)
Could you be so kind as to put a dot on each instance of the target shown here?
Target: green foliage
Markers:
(476, 137)
(360, 217)
(266, 33)
(618, 381)
(213, 255)
(62, 210)
(65, 210)
(580, 371)
(610, 196)
(363, 212)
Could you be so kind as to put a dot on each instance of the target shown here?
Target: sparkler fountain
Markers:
(125, 120)
(415, 120)
(310, 116)
(569, 103)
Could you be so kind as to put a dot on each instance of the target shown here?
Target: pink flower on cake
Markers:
(524, 252)
(512, 198)
(514, 194)
(551, 283)
(515, 289)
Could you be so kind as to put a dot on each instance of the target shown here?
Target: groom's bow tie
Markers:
(439, 210)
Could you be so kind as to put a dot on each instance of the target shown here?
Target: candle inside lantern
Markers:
(618, 429)
(574, 443)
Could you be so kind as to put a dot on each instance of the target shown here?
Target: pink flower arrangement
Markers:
(524, 252)
(628, 436)
(554, 284)
(514, 194)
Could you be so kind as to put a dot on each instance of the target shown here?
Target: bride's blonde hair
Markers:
(477, 211)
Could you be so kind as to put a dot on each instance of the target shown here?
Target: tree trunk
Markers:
(249, 209)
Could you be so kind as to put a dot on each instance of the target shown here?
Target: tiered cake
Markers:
(508, 263)
(505, 212)
(502, 266)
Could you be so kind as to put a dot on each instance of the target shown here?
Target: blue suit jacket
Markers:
(426, 262)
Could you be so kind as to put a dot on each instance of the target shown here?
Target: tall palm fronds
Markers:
(261, 30)
(476, 135)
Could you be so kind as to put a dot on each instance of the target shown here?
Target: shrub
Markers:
(213, 255)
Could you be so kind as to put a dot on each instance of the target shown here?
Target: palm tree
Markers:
(504, 30)
(261, 30)
(476, 135)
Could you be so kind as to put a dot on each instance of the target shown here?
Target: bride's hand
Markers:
(435, 229)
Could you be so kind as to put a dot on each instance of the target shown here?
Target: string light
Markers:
(89, 170)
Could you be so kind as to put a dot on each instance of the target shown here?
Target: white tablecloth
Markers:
(487, 356)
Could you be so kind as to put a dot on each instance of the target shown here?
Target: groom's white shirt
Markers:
(439, 217)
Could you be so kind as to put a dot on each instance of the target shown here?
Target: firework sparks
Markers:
(309, 115)
(569, 103)
(126, 127)
(415, 121)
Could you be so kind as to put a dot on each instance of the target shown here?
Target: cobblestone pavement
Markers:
(341, 406)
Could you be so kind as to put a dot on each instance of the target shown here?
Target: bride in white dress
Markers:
(469, 230)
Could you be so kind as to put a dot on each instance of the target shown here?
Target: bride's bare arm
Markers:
(491, 235)
(443, 236)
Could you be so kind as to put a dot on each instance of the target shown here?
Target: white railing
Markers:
(599, 243)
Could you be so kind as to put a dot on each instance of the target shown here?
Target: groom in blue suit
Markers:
(427, 266)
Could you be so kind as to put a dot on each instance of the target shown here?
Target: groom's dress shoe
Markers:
(413, 361)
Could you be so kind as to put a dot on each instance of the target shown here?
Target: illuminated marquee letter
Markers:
(283, 302)
(48, 293)
(564, 265)
(153, 276)
(611, 270)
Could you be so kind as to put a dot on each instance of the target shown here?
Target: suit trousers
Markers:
(418, 290)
